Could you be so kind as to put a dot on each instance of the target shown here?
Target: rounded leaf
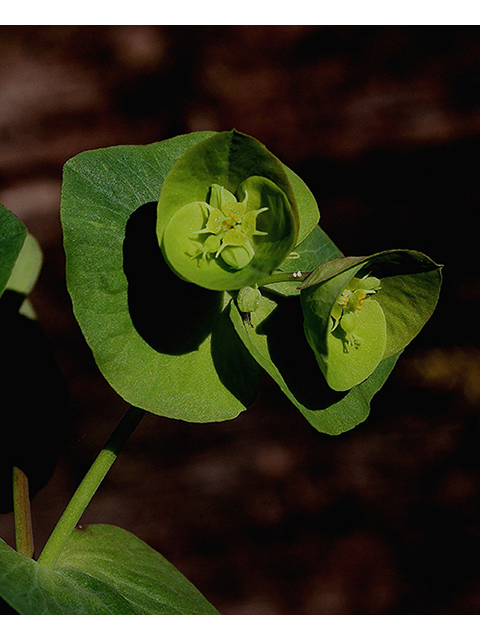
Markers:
(102, 570)
(165, 345)
(344, 367)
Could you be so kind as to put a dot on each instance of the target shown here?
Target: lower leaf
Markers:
(103, 570)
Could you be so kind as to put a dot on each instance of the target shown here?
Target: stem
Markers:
(87, 488)
(297, 276)
(21, 513)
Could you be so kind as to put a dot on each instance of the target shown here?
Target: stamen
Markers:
(232, 225)
(349, 303)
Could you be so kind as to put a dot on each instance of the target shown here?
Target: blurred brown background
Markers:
(264, 514)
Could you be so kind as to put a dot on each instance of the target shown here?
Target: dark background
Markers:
(264, 514)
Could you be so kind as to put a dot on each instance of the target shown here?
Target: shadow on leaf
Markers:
(35, 402)
(171, 315)
(293, 357)
(235, 367)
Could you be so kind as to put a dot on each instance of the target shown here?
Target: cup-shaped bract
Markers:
(227, 216)
(359, 311)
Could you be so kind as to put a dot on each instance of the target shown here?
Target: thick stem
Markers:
(87, 488)
(21, 514)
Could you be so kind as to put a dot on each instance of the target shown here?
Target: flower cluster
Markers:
(347, 307)
(229, 230)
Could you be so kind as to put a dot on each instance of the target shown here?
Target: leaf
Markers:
(243, 168)
(316, 248)
(226, 159)
(12, 238)
(35, 405)
(27, 267)
(408, 301)
(308, 213)
(151, 333)
(103, 570)
(279, 345)
(346, 366)
(32, 391)
(389, 263)
(331, 268)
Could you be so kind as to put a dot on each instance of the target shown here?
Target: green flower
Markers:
(229, 230)
(347, 308)
(227, 217)
(360, 311)
(230, 218)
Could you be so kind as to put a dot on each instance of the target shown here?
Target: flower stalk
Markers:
(88, 487)
(22, 514)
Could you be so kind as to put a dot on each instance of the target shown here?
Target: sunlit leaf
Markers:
(12, 239)
(151, 332)
(103, 570)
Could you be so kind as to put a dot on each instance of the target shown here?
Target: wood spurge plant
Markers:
(193, 265)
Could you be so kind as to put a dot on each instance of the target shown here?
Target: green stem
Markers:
(87, 488)
(296, 276)
(21, 514)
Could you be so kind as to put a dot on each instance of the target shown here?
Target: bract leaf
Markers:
(344, 367)
(315, 249)
(33, 393)
(27, 267)
(12, 239)
(103, 570)
(307, 207)
(32, 380)
(247, 170)
(278, 343)
(151, 333)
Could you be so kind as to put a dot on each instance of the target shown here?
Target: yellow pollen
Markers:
(361, 298)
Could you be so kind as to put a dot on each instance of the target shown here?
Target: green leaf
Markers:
(408, 301)
(247, 173)
(27, 267)
(33, 398)
(315, 249)
(308, 213)
(346, 366)
(103, 570)
(151, 333)
(349, 345)
(12, 239)
(278, 344)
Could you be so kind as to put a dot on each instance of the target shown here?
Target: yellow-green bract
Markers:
(360, 311)
(227, 216)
